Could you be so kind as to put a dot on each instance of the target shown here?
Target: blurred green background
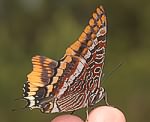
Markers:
(30, 27)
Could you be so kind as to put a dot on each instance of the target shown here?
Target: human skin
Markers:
(99, 114)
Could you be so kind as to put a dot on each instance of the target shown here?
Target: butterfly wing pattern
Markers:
(74, 81)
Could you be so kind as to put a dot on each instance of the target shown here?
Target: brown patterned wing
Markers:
(80, 70)
(54, 86)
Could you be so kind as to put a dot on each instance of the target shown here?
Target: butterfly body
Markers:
(74, 81)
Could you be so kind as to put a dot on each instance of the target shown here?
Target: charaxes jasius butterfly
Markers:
(74, 81)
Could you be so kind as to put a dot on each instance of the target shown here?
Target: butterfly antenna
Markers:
(21, 98)
(19, 109)
(110, 73)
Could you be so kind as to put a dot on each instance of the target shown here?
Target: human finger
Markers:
(106, 114)
(67, 118)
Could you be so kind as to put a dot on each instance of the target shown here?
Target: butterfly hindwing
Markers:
(43, 70)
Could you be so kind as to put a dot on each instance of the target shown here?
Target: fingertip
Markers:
(67, 118)
(106, 114)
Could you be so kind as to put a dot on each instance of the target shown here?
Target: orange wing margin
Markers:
(43, 70)
(96, 27)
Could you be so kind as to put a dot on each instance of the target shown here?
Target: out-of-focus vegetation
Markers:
(30, 27)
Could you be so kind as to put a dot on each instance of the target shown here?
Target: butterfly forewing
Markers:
(89, 49)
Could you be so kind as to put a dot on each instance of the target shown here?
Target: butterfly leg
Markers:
(72, 112)
(87, 113)
(106, 98)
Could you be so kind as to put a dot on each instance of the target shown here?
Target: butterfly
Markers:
(74, 81)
